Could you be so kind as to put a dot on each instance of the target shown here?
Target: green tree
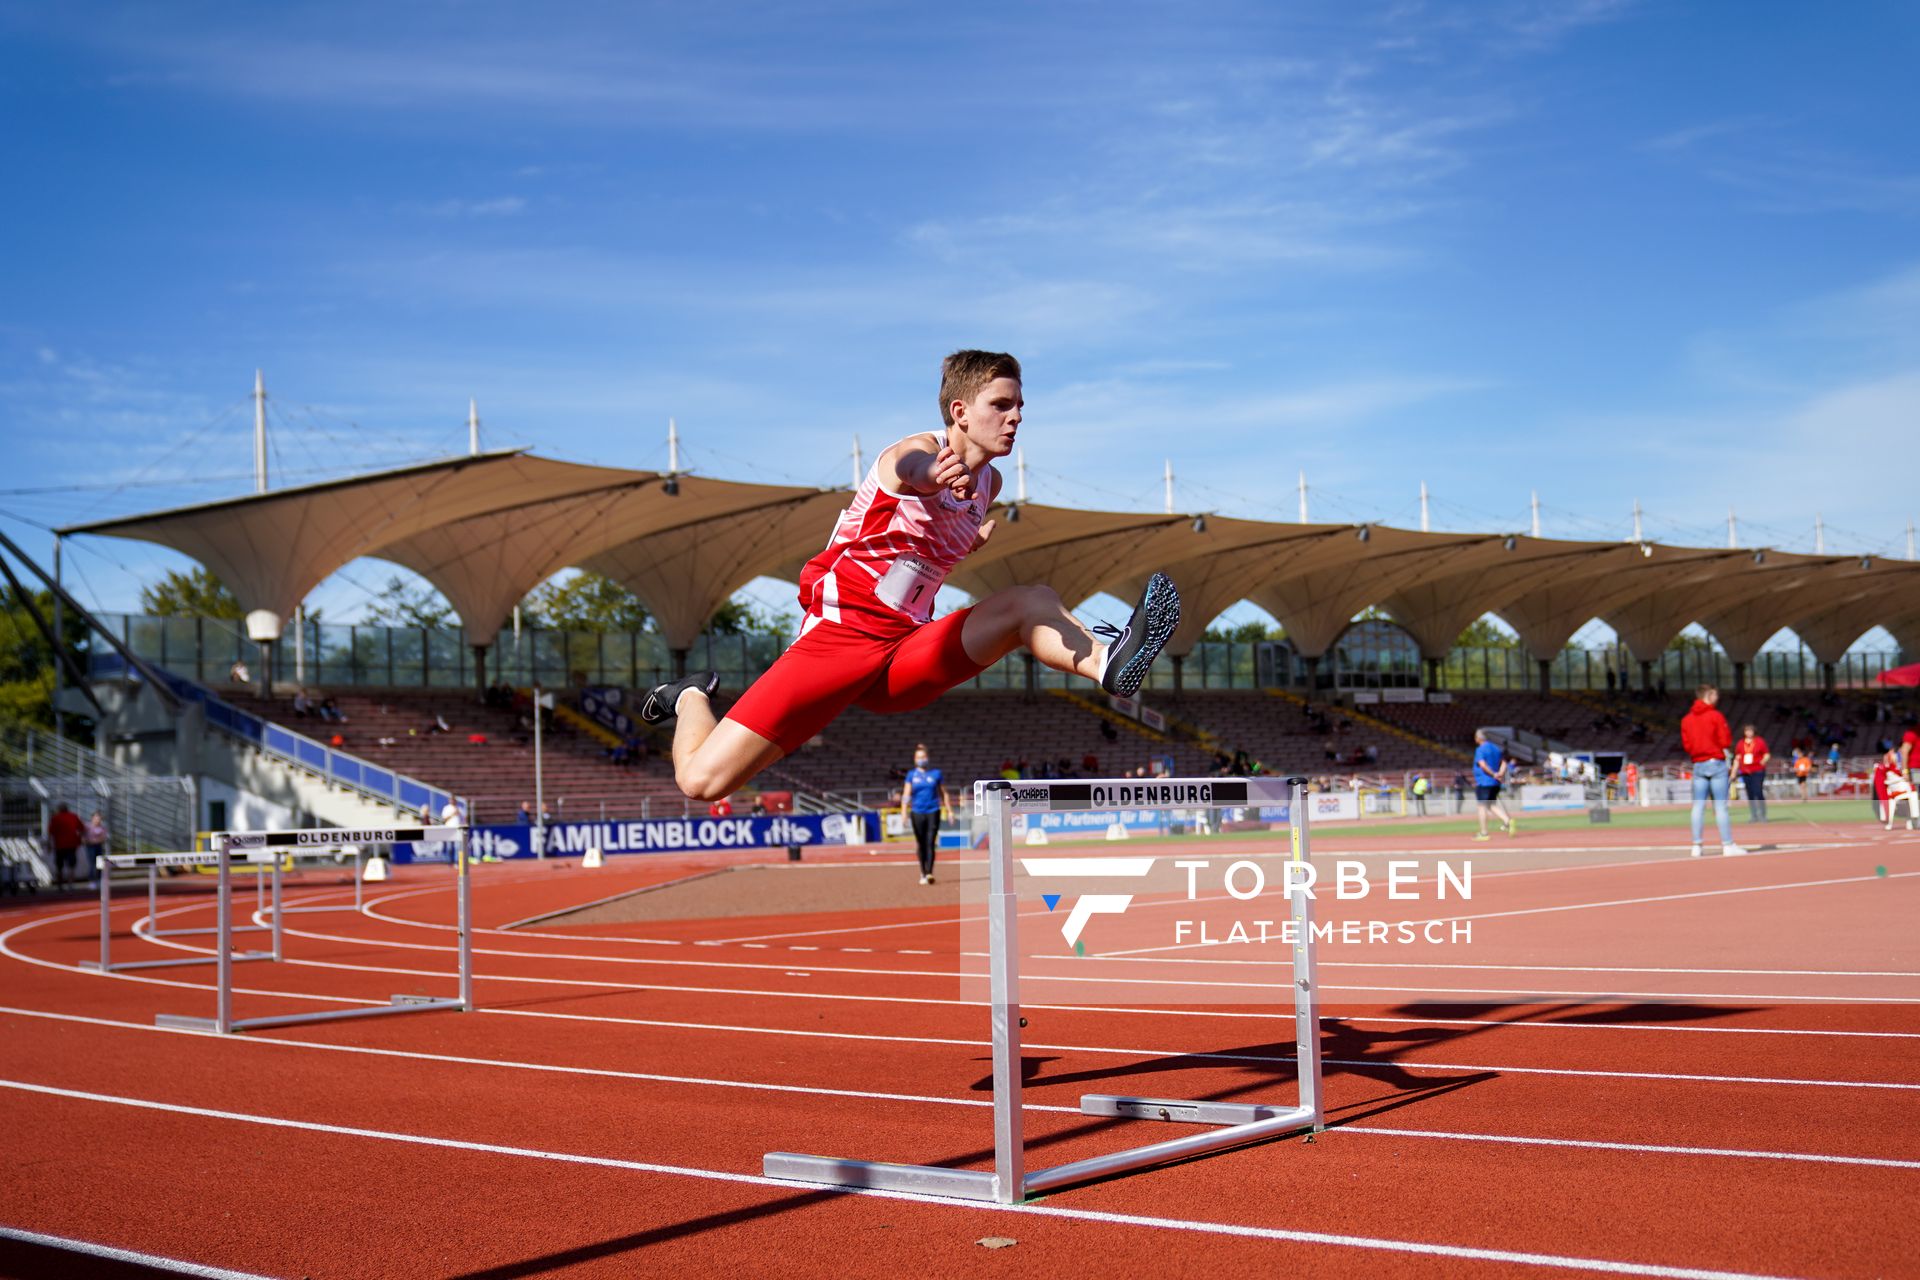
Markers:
(405, 604)
(1252, 631)
(743, 617)
(1485, 633)
(584, 601)
(1693, 643)
(195, 594)
(26, 661)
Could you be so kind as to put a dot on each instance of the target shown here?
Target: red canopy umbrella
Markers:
(1907, 677)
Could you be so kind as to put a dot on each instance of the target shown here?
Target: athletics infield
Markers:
(1649, 1064)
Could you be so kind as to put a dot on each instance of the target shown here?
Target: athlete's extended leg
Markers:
(1035, 618)
(711, 759)
(1032, 618)
(714, 758)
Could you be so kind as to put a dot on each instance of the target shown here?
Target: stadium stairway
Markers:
(1109, 714)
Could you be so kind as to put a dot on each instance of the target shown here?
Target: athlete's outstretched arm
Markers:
(926, 464)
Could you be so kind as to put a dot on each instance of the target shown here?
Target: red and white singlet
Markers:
(888, 555)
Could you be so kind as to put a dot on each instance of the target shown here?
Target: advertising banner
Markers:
(1067, 826)
(657, 835)
(605, 707)
(1333, 806)
(1561, 796)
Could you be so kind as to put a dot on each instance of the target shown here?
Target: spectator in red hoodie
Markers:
(1707, 741)
(65, 834)
(1750, 756)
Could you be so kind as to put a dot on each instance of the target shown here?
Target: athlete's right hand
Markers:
(949, 472)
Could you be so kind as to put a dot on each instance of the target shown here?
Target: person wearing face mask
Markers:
(923, 798)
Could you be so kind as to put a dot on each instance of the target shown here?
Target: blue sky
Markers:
(1603, 250)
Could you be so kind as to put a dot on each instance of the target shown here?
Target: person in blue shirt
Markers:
(1489, 772)
(923, 799)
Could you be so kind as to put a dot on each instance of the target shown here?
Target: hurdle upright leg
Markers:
(1009, 1136)
(278, 912)
(106, 914)
(223, 927)
(1306, 971)
(465, 898)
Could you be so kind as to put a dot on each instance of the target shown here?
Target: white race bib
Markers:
(909, 587)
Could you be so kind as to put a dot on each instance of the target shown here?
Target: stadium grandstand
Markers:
(1369, 677)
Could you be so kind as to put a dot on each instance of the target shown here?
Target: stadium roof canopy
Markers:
(486, 529)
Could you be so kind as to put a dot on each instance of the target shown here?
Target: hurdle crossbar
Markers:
(269, 846)
(1241, 1123)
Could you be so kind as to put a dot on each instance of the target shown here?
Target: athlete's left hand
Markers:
(981, 535)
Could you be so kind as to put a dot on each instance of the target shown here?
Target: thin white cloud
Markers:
(491, 207)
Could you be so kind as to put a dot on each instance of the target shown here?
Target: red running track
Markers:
(607, 1109)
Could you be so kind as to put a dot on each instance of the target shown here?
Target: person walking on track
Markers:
(1750, 756)
(1705, 738)
(925, 799)
(1490, 766)
(869, 637)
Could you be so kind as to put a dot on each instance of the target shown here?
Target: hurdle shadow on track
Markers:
(1349, 1049)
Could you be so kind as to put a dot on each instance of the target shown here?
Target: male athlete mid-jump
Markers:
(869, 638)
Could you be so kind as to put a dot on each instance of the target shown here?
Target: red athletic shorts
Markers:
(834, 666)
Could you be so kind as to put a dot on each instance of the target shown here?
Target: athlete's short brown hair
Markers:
(963, 373)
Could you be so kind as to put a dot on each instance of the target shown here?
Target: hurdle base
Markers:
(1240, 1123)
(1226, 1113)
(1276, 1121)
(199, 932)
(120, 965)
(401, 1004)
(961, 1184)
(184, 1022)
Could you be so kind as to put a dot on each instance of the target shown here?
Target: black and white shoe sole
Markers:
(1147, 633)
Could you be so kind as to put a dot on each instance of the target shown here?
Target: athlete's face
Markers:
(920, 760)
(992, 418)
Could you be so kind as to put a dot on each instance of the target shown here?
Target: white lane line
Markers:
(1640, 864)
(1134, 955)
(150, 980)
(1589, 906)
(862, 999)
(1646, 1148)
(1377, 1063)
(1364, 1064)
(558, 1069)
(1281, 960)
(509, 1064)
(1075, 973)
(155, 1261)
(1421, 1248)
